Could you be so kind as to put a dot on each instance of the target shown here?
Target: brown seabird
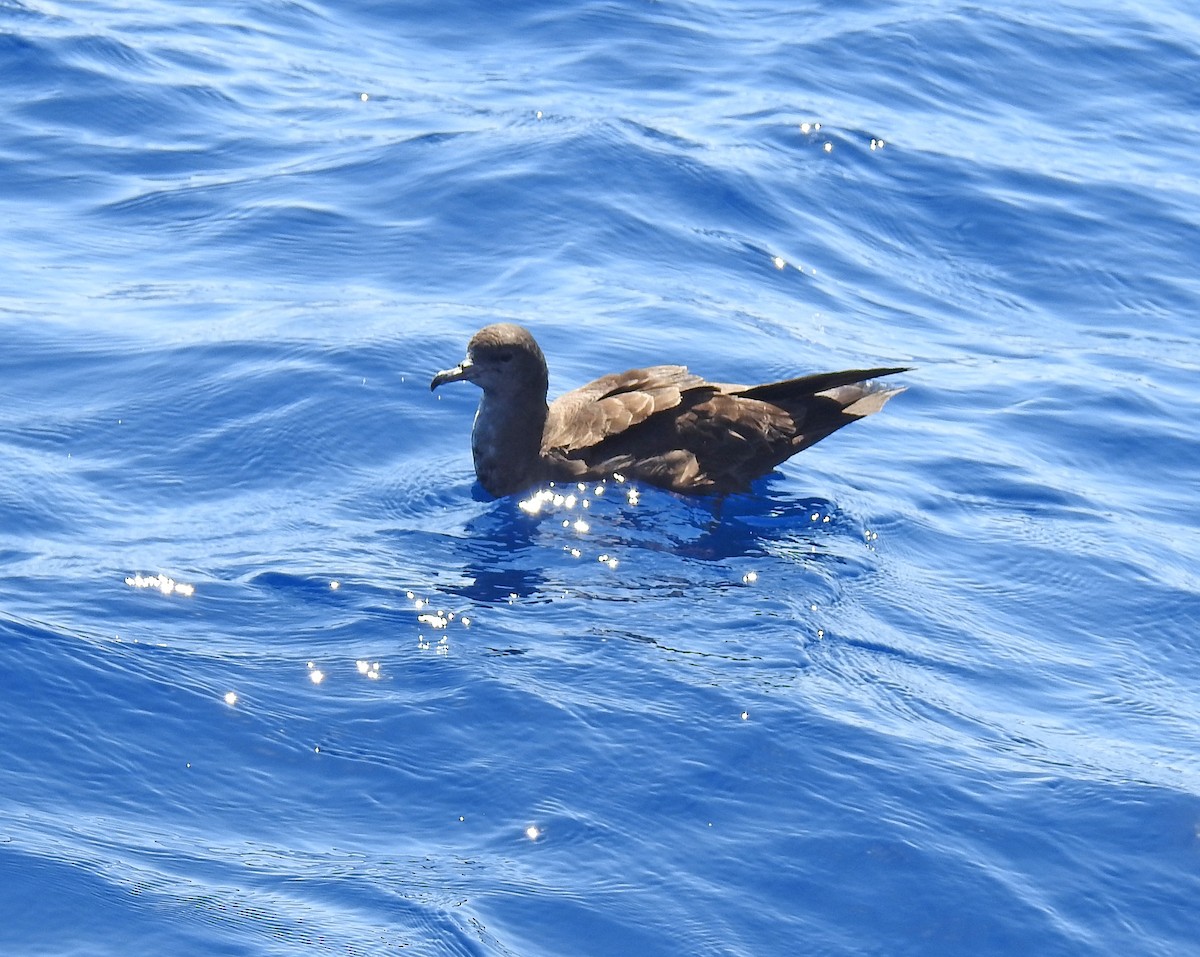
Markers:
(661, 425)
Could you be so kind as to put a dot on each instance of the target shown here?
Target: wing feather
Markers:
(713, 437)
(614, 404)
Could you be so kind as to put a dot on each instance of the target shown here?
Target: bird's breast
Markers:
(506, 447)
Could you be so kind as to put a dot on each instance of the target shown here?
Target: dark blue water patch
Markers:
(93, 92)
(296, 587)
(52, 888)
(1152, 832)
(181, 903)
(128, 746)
(166, 412)
(23, 60)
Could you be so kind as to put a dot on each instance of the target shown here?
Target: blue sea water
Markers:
(276, 677)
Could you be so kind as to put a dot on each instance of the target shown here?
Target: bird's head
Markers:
(501, 359)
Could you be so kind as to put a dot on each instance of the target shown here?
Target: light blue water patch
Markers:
(277, 676)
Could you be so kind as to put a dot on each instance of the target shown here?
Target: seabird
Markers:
(660, 425)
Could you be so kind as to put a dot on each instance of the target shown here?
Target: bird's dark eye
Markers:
(505, 357)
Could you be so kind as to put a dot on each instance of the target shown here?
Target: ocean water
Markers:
(276, 677)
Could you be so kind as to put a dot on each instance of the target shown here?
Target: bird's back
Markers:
(667, 427)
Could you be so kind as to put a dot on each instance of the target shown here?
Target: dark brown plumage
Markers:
(661, 425)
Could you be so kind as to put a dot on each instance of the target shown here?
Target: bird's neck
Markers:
(506, 442)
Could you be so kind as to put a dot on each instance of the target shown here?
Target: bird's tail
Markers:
(821, 404)
(822, 382)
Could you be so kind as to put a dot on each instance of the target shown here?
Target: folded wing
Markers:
(668, 427)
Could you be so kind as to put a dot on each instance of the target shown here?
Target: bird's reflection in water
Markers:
(511, 549)
(499, 554)
(753, 523)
